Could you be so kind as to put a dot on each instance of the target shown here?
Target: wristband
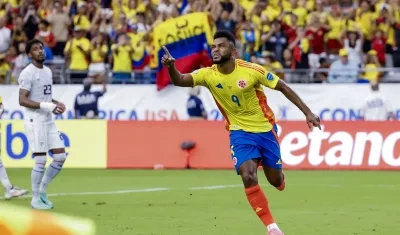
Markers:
(47, 106)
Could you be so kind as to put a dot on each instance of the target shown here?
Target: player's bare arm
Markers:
(312, 119)
(178, 79)
(28, 103)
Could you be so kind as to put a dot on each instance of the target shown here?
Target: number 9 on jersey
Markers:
(235, 99)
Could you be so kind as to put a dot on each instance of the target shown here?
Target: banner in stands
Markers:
(143, 102)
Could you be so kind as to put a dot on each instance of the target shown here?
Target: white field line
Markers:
(213, 187)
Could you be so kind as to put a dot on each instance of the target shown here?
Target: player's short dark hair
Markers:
(225, 34)
(30, 43)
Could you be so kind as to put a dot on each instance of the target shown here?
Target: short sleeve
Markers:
(104, 49)
(24, 80)
(86, 45)
(199, 77)
(67, 46)
(266, 78)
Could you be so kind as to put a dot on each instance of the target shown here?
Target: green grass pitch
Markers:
(181, 202)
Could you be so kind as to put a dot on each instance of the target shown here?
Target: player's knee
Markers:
(249, 178)
(276, 180)
(60, 157)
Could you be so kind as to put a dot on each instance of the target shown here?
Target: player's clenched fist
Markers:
(60, 108)
(167, 60)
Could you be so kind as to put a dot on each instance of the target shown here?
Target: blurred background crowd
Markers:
(301, 40)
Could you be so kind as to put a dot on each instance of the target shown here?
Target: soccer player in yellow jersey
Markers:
(11, 191)
(236, 88)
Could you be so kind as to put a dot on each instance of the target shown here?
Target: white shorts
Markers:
(96, 69)
(43, 137)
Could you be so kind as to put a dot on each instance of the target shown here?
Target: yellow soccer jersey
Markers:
(240, 96)
(1, 100)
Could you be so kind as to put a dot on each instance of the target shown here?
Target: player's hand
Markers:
(60, 108)
(167, 60)
(313, 121)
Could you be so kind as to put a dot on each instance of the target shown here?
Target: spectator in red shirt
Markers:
(290, 30)
(315, 33)
(378, 44)
(45, 35)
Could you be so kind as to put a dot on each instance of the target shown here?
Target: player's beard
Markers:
(223, 59)
(40, 61)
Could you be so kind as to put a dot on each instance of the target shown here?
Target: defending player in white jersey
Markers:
(35, 94)
(376, 107)
(11, 190)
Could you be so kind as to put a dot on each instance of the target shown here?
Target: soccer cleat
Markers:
(275, 231)
(45, 200)
(40, 205)
(15, 192)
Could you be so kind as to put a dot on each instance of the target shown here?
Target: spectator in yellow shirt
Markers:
(81, 20)
(4, 69)
(77, 51)
(372, 66)
(337, 24)
(98, 54)
(122, 53)
(269, 62)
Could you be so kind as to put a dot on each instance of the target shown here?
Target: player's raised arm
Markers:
(312, 119)
(178, 79)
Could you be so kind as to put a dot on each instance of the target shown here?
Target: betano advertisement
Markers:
(355, 145)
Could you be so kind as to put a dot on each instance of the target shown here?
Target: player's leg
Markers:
(271, 161)
(275, 177)
(11, 190)
(247, 159)
(4, 177)
(56, 146)
(36, 133)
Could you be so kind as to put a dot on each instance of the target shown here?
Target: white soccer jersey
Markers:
(376, 107)
(39, 82)
(42, 132)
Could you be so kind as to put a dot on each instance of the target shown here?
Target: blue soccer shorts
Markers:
(246, 146)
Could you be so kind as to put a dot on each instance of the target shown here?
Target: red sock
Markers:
(259, 203)
(283, 185)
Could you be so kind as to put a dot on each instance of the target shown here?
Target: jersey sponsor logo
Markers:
(234, 161)
(219, 86)
(270, 77)
(241, 83)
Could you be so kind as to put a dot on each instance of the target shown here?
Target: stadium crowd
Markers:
(90, 36)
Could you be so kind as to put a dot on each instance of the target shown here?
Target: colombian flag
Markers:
(187, 38)
(140, 56)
